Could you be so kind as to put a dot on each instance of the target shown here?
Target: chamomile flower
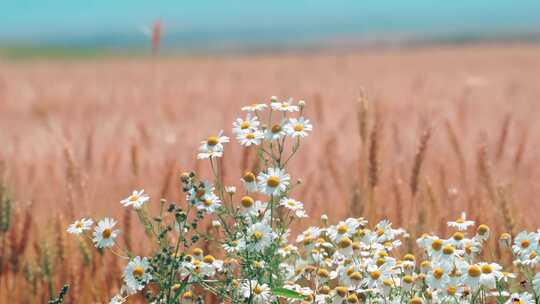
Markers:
(275, 132)
(136, 273)
(136, 199)
(523, 243)
(250, 137)
(293, 205)
(285, 106)
(259, 293)
(490, 273)
(343, 229)
(213, 146)
(521, 298)
(274, 182)
(260, 236)
(437, 278)
(298, 127)
(471, 276)
(250, 181)
(210, 266)
(250, 123)
(80, 226)
(209, 204)
(104, 234)
(461, 223)
(256, 107)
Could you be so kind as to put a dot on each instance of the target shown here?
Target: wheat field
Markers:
(415, 135)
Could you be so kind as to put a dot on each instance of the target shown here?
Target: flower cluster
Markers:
(256, 260)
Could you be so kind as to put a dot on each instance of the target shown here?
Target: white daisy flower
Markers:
(256, 107)
(293, 205)
(521, 298)
(274, 182)
(523, 243)
(285, 106)
(213, 146)
(80, 226)
(251, 137)
(244, 125)
(490, 273)
(437, 278)
(250, 181)
(136, 199)
(461, 223)
(259, 293)
(198, 194)
(343, 229)
(136, 273)
(276, 132)
(210, 266)
(104, 235)
(260, 236)
(298, 127)
(471, 276)
(209, 204)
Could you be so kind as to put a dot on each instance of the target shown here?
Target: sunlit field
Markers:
(416, 136)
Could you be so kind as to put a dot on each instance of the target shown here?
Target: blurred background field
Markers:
(414, 121)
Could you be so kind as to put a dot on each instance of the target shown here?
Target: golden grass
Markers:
(435, 132)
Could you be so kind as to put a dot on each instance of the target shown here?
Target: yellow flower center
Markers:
(323, 273)
(257, 235)
(352, 299)
(133, 198)
(188, 294)
(273, 181)
(408, 279)
(106, 233)
(409, 257)
(388, 282)
(208, 202)
(525, 243)
(298, 127)
(458, 236)
(438, 273)
(78, 225)
(209, 259)
(342, 229)
(276, 129)
(246, 201)
(436, 244)
(197, 251)
(380, 262)
(344, 242)
(249, 177)
(244, 125)
(448, 249)
(212, 140)
(257, 290)
(482, 229)
(376, 274)
(451, 290)
(416, 300)
(250, 136)
(342, 291)
(474, 271)
(487, 269)
(138, 271)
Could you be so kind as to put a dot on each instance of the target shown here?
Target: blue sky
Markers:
(28, 20)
